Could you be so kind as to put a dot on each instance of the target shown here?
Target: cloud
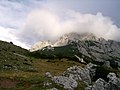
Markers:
(47, 25)
(14, 12)
(9, 34)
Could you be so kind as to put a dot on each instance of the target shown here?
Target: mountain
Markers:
(63, 40)
(74, 37)
(86, 46)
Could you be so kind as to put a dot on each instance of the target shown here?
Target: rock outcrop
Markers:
(100, 84)
(68, 80)
(63, 40)
(114, 82)
(81, 74)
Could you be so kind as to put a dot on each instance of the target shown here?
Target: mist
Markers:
(44, 24)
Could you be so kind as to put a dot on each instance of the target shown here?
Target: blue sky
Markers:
(16, 15)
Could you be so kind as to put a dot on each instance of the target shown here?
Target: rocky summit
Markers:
(63, 40)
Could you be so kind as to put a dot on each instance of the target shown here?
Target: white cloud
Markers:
(47, 25)
(9, 34)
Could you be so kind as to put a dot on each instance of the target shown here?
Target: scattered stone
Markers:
(48, 74)
(80, 59)
(47, 84)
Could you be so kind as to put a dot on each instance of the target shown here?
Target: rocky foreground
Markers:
(72, 76)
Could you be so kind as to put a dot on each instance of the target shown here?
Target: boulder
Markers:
(100, 84)
(81, 74)
(114, 82)
(66, 82)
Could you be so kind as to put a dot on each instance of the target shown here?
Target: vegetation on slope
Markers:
(20, 71)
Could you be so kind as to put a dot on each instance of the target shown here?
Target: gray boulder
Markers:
(114, 82)
(81, 74)
(98, 85)
(66, 82)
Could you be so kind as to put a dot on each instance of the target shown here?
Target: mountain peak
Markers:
(40, 45)
(73, 36)
(63, 40)
(82, 36)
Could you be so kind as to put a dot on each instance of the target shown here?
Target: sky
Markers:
(25, 22)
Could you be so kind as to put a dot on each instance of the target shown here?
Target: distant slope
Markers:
(10, 47)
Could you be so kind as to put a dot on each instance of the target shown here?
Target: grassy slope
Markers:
(35, 78)
(27, 73)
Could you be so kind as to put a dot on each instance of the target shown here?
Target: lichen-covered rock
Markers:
(66, 82)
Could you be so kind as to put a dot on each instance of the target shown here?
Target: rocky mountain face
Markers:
(74, 37)
(63, 40)
(86, 46)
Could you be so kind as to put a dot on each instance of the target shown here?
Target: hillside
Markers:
(13, 57)
(19, 71)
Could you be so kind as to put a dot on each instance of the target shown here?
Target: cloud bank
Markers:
(8, 34)
(47, 25)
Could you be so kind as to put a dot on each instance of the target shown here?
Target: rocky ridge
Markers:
(63, 40)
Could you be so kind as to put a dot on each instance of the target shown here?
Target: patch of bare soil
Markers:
(8, 83)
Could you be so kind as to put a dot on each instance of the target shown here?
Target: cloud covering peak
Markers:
(44, 24)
